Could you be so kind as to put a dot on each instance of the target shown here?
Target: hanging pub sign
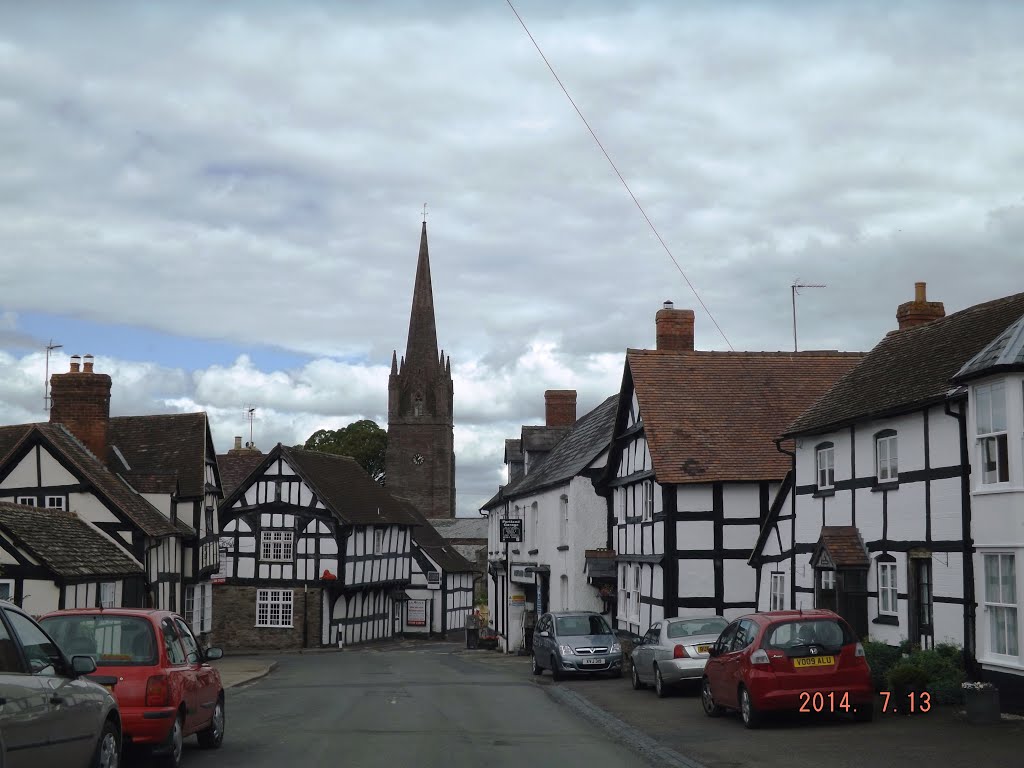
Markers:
(511, 530)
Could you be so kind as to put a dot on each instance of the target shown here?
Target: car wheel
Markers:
(536, 668)
(751, 717)
(171, 758)
(864, 713)
(556, 673)
(213, 736)
(708, 701)
(637, 685)
(108, 750)
(659, 684)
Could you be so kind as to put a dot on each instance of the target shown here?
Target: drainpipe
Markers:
(792, 529)
(970, 615)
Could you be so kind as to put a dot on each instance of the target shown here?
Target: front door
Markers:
(922, 629)
(852, 599)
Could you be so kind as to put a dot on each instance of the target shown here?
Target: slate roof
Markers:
(433, 543)
(235, 467)
(494, 500)
(844, 546)
(910, 368)
(461, 527)
(65, 543)
(713, 416)
(578, 446)
(1004, 353)
(160, 444)
(541, 438)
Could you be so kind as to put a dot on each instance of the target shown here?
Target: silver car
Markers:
(674, 651)
(575, 642)
(50, 714)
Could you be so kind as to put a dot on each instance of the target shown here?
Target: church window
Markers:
(417, 404)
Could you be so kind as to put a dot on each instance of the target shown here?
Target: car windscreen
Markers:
(570, 626)
(694, 627)
(803, 633)
(110, 640)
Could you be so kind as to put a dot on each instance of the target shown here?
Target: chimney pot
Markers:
(920, 311)
(238, 442)
(75, 359)
(668, 305)
(674, 328)
(919, 292)
(560, 407)
(87, 364)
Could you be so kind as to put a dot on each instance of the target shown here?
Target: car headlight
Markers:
(616, 648)
(565, 650)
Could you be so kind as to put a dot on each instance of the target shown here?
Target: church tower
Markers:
(420, 464)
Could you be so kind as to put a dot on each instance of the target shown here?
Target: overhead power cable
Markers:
(617, 173)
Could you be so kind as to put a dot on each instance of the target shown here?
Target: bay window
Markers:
(1001, 604)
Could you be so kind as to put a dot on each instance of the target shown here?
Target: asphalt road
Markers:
(424, 708)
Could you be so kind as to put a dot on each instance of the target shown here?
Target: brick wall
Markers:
(234, 621)
(81, 402)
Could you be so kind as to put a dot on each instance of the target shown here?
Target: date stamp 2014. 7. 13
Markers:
(912, 702)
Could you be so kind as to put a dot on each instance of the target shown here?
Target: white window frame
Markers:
(378, 541)
(648, 486)
(563, 516)
(59, 502)
(828, 580)
(283, 541)
(1005, 604)
(108, 594)
(825, 462)
(206, 625)
(888, 588)
(274, 604)
(887, 458)
(534, 515)
(989, 434)
(635, 594)
(778, 591)
(190, 605)
(624, 609)
(10, 586)
(27, 501)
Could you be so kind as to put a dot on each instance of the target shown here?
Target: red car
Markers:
(803, 661)
(164, 686)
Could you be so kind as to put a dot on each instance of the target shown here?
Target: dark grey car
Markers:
(50, 714)
(575, 642)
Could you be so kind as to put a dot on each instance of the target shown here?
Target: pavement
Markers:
(239, 670)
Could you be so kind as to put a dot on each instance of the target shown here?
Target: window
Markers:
(206, 624)
(276, 545)
(648, 499)
(108, 594)
(6, 589)
(826, 457)
(43, 656)
(990, 404)
(273, 608)
(828, 580)
(378, 541)
(533, 526)
(175, 652)
(190, 604)
(778, 592)
(188, 641)
(1001, 604)
(563, 505)
(624, 609)
(565, 592)
(209, 522)
(55, 502)
(887, 588)
(634, 598)
(10, 661)
(28, 501)
(885, 456)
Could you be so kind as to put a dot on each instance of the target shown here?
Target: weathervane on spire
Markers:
(424, 213)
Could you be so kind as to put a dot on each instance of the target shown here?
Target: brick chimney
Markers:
(80, 400)
(674, 328)
(919, 311)
(559, 407)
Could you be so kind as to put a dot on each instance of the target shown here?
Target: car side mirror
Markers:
(212, 654)
(83, 665)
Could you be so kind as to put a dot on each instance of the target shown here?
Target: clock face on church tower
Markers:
(417, 459)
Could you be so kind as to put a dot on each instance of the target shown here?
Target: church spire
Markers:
(421, 348)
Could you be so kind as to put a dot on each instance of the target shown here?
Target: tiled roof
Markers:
(151, 482)
(541, 438)
(713, 416)
(910, 368)
(844, 546)
(11, 436)
(65, 543)
(1004, 353)
(147, 517)
(461, 527)
(173, 442)
(345, 488)
(578, 446)
(236, 466)
(433, 543)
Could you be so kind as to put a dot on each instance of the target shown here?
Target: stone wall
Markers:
(234, 621)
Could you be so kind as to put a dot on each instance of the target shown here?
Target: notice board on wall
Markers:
(416, 615)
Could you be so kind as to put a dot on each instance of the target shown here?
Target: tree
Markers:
(363, 440)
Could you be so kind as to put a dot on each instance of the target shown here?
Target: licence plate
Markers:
(703, 648)
(814, 661)
(593, 661)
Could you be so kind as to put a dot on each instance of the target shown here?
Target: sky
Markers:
(222, 202)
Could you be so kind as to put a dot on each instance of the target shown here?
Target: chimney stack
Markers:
(560, 407)
(920, 311)
(674, 328)
(80, 400)
(238, 442)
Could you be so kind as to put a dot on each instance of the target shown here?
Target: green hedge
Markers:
(940, 670)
